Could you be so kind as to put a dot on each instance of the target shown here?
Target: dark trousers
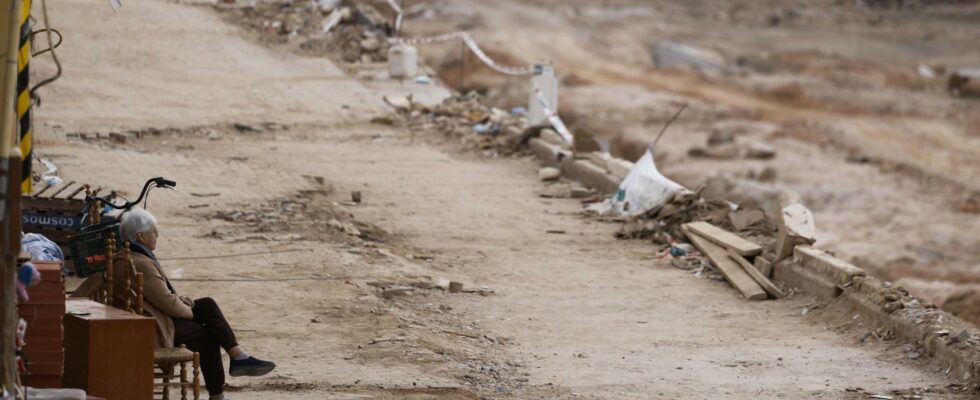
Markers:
(206, 334)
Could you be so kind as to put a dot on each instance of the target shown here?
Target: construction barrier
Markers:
(24, 97)
(474, 48)
(553, 117)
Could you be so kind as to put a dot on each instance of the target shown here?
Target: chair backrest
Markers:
(88, 249)
(133, 284)
(104, 294)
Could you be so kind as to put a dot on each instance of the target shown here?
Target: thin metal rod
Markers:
(670, 121)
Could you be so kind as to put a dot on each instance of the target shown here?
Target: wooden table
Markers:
(108, 351)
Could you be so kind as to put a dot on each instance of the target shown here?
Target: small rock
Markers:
(370, 44)
(719, 137)
(893, 306)
(392, 292)
(549, 174)
(891, 297)
(246, 128)
(557, 191)
(760, 150)
(755, 63)
(961, 337)
(355, 197)
(455, 287)
(768, 174)
(724, 151)
(970, 205)
(383, 120)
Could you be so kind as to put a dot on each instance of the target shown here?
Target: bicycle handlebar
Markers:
(157, 182)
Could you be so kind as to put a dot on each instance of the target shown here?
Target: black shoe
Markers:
(250, 366)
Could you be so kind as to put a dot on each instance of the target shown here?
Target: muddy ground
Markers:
(886, 158)
(267, 144)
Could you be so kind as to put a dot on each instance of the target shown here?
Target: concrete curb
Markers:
(581, 171)
(950, 341)
(589, 175)
(547, 154)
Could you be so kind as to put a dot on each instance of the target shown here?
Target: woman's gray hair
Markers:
(135, 221)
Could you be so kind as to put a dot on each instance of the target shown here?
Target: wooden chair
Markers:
(165, 360)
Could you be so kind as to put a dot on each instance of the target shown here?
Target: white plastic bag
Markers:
(644, 188)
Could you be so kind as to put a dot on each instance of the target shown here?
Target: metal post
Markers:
(10, 162)
(24, 98)
(462, 65)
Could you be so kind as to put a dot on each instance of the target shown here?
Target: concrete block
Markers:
(589, 175)
(839, 271)
(546, 153)
(807, 281)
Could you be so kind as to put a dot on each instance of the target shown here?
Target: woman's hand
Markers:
(187, 300)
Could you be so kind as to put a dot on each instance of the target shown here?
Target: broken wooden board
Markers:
(724, 238)
(766, 284)
(733, 272)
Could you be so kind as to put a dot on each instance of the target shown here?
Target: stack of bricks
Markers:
(44, 312)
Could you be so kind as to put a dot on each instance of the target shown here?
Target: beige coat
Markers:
(158, 302)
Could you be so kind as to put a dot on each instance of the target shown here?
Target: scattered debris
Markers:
(733, 272)
(742, 219)
(724, 238)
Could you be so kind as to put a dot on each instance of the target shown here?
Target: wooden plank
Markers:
(61, 189)
(76, 192)
(728, 267)
(724, 238)
(763, 265)
(40, 192)
(766, 284)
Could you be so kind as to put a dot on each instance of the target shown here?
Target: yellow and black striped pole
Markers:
(24, 97)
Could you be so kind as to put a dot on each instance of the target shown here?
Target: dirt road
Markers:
(886, 158)
(262, 224)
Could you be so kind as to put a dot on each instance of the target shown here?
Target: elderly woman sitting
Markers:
(180, 320)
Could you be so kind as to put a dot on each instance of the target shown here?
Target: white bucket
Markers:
(403, 61)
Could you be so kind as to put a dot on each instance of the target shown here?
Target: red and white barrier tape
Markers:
(474, 48)
(553, 117)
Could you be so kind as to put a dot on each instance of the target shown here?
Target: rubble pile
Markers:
(348, 31)
(467, 119)
(663, 225)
